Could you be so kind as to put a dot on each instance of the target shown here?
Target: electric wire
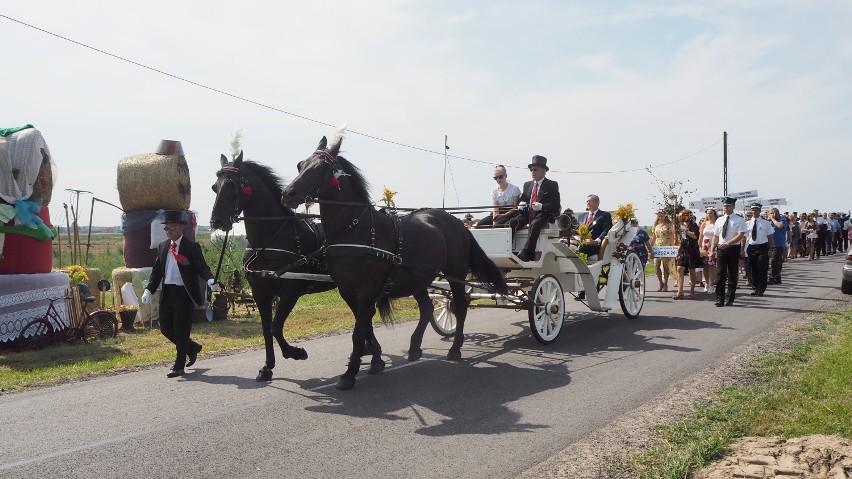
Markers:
(319, 122)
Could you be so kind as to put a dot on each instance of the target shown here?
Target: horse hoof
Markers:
(415, 354)
(345, 383)
(454, 355)
(264, 375)
(376, 367)
(298, 354)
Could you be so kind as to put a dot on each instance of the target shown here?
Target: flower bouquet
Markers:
(387, 197)
(624, 212)
(76, 274)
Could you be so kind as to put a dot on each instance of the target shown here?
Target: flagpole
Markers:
(444, 193)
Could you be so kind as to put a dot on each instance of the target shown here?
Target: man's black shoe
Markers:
(192, 355)
(173, 373)
(754, 293)
(580, 296)
(719, 303)
(525, 256)
(729, 302)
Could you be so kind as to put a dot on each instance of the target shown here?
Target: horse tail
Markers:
(483, 269)
(385, 307)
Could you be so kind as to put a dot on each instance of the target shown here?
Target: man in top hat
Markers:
(728, 232)
(180, 266)
(539, 205)
(758, 243)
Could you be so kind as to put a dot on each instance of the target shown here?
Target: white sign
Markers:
(777, 201)
(744, 194)
(713, 199)
(696, 205)
(665, 251)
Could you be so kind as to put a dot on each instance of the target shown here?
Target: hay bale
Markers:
(150, 181)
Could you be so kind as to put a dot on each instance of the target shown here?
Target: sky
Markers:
(607, 91)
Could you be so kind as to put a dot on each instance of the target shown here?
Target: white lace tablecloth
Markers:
(24, 297)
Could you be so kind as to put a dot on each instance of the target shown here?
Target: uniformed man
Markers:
(758, 242)
(728, 233)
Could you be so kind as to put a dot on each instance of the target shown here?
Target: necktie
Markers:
(725, 227)
(534, 198)
(591, 217)
(754, 230)
(178, 257)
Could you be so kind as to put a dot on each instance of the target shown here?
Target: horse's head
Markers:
(317, 175)
(233, 194)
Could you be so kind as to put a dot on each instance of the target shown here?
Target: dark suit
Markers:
(601, 224)
(548, 196)
(177, 302)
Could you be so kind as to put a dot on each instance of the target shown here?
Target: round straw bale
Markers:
(150, 181)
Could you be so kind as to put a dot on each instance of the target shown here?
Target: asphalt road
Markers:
(509, 404)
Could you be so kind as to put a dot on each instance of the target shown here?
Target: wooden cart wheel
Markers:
(547, 309)
(631, 294)
(443, 320)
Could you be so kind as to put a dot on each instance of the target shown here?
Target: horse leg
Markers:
(377, 364)
(264, 307)
(427, 310)
(460, 310)
(364, 311)
(285, 306)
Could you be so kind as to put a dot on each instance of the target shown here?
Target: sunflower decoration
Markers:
(583, 233)
(77, 274)
(387, 197)
(624, 212)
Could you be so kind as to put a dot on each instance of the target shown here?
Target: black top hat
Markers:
(729, 201)
(756, 205)
(174, 216)
(539, 160)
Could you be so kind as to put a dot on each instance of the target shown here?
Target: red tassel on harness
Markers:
(247, 190)
(333, 181)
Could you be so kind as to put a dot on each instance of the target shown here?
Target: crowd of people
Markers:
(711, 252)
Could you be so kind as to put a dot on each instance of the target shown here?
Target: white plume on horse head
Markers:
(236, 136)
(337, 137)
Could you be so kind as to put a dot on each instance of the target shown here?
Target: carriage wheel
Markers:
(631, 294)
(547, 309)
(36, 334)
(443, 320)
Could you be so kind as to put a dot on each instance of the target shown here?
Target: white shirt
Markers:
(737, 225)
(764, 231)
(172, 275)
(507, 197)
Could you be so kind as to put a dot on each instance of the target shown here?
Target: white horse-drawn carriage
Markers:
(539, 285)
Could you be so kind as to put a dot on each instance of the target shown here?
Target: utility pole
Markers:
(725, 163)
(444, 192)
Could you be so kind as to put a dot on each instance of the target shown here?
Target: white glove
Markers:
(536, 206)
(213, 285)
(522, 206)
(146, 296)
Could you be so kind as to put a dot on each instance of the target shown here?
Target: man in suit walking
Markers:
(180, 266)
(599, 223)
(539, 205)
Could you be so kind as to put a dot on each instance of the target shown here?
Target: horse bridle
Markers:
(244, 191)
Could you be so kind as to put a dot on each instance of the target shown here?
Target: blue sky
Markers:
(593, 86)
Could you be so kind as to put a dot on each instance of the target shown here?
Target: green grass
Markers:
(314, 315)
(803, 391)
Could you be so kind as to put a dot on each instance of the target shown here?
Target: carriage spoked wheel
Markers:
(631, 293)
(443, 320)
(547, 309)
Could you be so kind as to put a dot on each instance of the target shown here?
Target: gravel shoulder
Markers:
(589, 457)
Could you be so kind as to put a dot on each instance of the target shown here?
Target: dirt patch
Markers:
(809, 457)
(591, 457)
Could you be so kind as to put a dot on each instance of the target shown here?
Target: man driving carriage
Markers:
(539, 205)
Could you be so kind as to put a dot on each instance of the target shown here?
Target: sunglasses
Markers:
(499, 177)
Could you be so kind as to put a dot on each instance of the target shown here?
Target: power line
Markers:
(312, 120)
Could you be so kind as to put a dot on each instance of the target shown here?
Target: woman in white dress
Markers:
(706, 239)
(504, 199)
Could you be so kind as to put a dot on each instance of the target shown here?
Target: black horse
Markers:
(374, 257)
(277, 239)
